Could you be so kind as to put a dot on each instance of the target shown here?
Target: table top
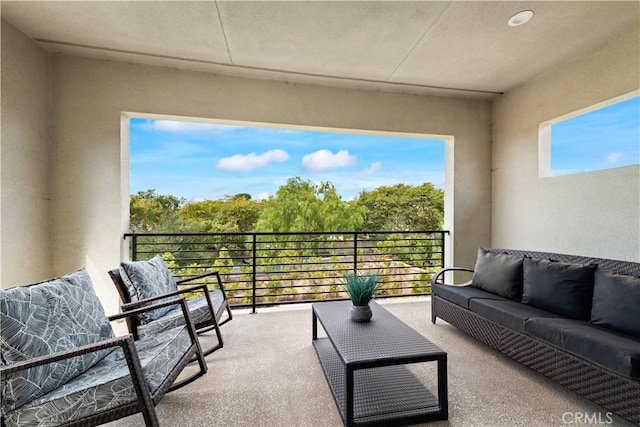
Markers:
(383, 340)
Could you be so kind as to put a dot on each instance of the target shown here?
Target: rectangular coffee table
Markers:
(364, 366)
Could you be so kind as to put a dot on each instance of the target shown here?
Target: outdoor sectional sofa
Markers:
(574, 319)
(61, 363)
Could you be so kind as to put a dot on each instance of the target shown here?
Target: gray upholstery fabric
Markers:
(616, 352)
(499, 274)
(616, 302)
(146, 279)
(107, 384)
(198, 310)
(510, 313)
(461, 295)
(45, 318)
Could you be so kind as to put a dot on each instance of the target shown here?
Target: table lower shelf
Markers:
(385, 395)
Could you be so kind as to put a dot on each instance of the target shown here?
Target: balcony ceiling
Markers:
(449, 47)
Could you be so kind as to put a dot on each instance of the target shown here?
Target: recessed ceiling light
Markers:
(520, 18)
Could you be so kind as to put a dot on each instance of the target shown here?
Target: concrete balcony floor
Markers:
(268, 374)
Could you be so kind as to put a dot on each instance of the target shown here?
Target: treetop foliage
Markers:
(298, 206)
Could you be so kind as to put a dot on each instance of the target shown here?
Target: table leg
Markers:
(443, 399)
(349, 395)
(314, 326)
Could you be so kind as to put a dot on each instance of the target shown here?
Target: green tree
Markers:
(403, 207)
(304, 206)
(234, 214)
(150, 211)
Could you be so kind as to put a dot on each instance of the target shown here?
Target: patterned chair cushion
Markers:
(198, 311)
(146, 279)
(45, 318)
(107, 384)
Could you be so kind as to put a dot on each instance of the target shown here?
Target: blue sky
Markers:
(210, 161)
(605, 138)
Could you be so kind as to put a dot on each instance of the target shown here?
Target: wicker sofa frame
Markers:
(612, 391)
(146, 400)
(213, 322)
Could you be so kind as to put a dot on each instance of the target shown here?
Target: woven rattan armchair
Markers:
(142, 282)
(63, 365)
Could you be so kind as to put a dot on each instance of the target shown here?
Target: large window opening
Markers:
(601, 137)
(398, 177)
(284, 215)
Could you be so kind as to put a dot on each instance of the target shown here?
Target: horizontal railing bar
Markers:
(266, 268)
(284, 233)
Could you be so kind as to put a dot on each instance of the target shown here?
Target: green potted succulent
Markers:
(360, 288)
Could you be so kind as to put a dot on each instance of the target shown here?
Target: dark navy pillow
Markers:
(499, 274)
(616, 301)
(558, 287)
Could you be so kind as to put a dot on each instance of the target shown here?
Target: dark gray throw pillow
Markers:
(499, 274)
(616, 301)
(558, 287)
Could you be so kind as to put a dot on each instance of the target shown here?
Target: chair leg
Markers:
(216, 326)
(203, 370)
(229, 316)
(218, 345)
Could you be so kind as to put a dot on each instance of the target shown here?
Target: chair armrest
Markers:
(138, 307)
(132, 311)
(132, 359)
(435, 277)
(66, 354)
(202, 276)
(201, 287)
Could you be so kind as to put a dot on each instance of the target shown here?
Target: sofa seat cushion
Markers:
(618, 352)
(499, 274)
(198, 310)
(146, 279)
(509, 313)
(107, 384)
(461, 295)
(616, 302)
(37, 320)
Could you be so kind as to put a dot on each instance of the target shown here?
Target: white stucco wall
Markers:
(24, 161)
(88, 172)
(592, 214)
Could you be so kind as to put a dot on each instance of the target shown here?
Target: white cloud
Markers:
(263, 196)
(177, 126)
(251, 161)
(375, 166)
(324, 159)
(614, 157)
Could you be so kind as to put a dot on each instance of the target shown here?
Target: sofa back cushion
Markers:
(45, 318)
(616, 302)
(499, 274)
(559, 287)
(146, 279)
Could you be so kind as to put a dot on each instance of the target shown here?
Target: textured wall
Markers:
(593, 214)
(90, 172)
(24, 161)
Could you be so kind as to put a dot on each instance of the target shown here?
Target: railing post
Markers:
(254, 275)
(355, 252)
(134, 248)
(442, 249)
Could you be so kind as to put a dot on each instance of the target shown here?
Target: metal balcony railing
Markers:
(263, 269)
